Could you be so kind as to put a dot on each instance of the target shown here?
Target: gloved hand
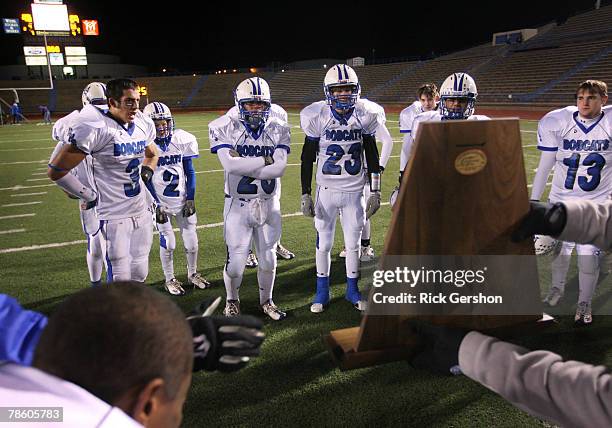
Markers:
(393, 196)
(307, 205)
(373, 204)
(146, 173)
(542, 219)
(89, 217)
(224, 343)
(439, 347)
(189, 208)
(269, 160)
(160, 215)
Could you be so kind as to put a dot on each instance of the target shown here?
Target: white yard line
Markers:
(7, 232)
(23, 150)
(23, 162)
(39, 173)
(531, 185)
(6, 217)
(38, 179)
(21, 205)
(19, 186)
(29, 194)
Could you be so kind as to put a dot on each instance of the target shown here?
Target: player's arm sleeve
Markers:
(387, 145)
(548, 145)
(309, 155)
(588, 223)
(239, 165)
(568, 393)
(281, 151)
(547, 161)
(190, 177)
(20, 331)
(371, 153)
(150, 160)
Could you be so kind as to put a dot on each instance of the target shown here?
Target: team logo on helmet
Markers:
(164, 122)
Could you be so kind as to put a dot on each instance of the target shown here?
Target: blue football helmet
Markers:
(254, 89)
(163, 130)
(341, 75)
(458, 86)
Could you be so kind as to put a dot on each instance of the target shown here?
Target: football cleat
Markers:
(251, 261)
(361, 305)
(342, 253)
(199, 281)
(322, 296)
(584, 315)
(174, 287)
(284, 253)
(232, 308)
(271, 310)
(545, 245)
(554, 295)
(353, 294)
(367, 254)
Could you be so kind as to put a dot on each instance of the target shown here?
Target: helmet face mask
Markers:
(164, 122)
(341, 87)
(95, 94)
(458, 96)
(253, 99)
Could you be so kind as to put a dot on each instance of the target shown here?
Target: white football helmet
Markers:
(458, 85)
(341, 75)
(254, 89)
(95, 94)
(164, 123)
(545, 245)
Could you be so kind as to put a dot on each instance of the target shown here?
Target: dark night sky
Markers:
(243, 34)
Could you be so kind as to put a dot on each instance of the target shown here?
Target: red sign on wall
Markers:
(90, 27)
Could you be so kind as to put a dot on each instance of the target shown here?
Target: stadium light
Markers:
(163, 70)
(324, 65)
(283, 70)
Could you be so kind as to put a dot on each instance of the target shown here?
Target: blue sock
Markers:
(322, 294)
(96, 283)
(352, 290)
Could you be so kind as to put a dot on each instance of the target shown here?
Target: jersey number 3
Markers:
(595, 161)
(335, 153)
(132, 189)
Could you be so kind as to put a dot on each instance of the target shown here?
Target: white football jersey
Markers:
(340, 161)
(229, 132)
(84, 170)
(117, 152)
(583, 153)
(169, 178)
(406, 118)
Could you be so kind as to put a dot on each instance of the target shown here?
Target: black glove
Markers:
(146, 173)
(160, 215)
(189, 208)
(439, 347)
(542, 219)
(225, 343)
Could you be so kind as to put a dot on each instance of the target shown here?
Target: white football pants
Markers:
(246, 219)
(128, 243)
(328, 204)
(96, 256)
(588, 268)
(167, 243)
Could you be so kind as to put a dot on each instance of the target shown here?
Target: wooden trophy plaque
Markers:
(463, 192)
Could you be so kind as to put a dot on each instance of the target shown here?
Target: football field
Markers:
(294, 382)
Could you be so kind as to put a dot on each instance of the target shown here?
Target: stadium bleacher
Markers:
(542, 72)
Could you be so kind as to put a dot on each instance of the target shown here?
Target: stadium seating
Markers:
(543, 71)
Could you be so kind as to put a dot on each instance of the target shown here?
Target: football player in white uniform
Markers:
(253, 149)
(94, 94)
(427, 100)
(340, 137)
(282, 252)
(383, 134)
(122, 145)
(577, 142)
(175, 184)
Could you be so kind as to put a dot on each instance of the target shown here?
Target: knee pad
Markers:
(267, 260)
(234, 266)
(190, 241)
(167, 242)
(588, 263)
(324, 241)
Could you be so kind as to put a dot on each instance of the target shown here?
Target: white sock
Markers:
(266, 285)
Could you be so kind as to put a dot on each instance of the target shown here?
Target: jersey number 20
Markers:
(595, 161)
(246, 186)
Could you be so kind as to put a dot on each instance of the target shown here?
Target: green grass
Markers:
(294, 381)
